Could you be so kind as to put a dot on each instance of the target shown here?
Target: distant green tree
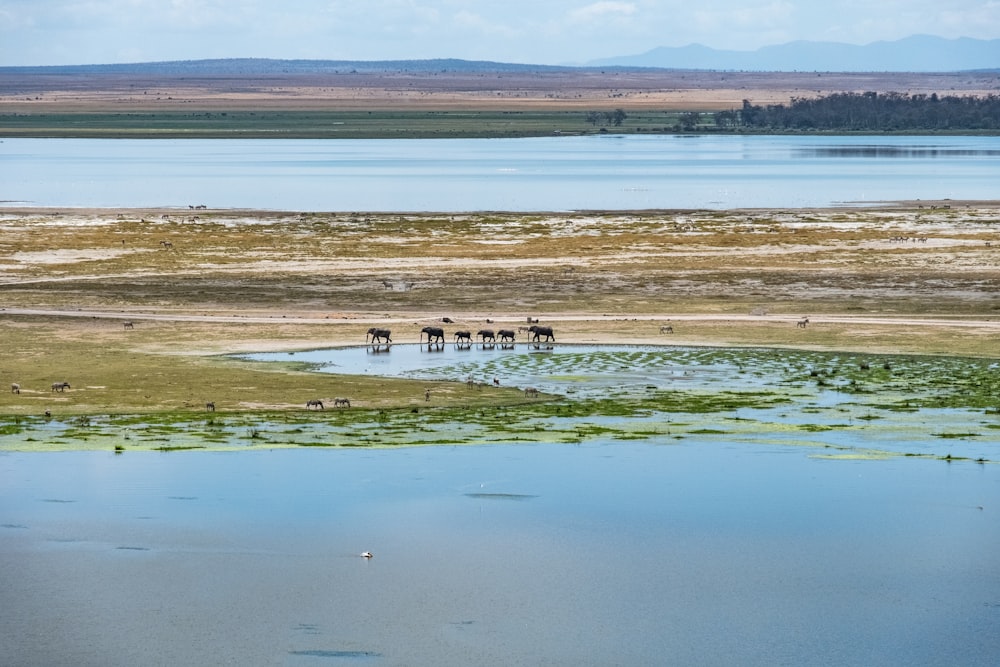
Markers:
(689, 120)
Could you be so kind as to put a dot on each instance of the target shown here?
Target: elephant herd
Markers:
(436, 335)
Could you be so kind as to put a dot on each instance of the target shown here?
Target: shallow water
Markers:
(536, 174)
(608, 553)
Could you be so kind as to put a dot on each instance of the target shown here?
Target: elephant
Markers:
(434, 334)
(463, 337)
(486, 334)
(378, 335)
(541, 331)
(505, 335)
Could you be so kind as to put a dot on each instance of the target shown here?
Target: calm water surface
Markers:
(623, 553)
(537, 174)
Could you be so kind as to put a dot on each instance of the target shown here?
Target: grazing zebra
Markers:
(666, 328)
(341, 402)
(530, 391)
(128, 325)
(166, 244)
(60, 386)
(801, 324)
(210, 406)
(15, 388)
(314, 403)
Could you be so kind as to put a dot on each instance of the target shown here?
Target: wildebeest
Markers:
(378, 335)
(486, 334)
(15, 388)
(128, 325)
(60, 386)
(538, 331)
(463, 336)
(505, 335)
(434, 334)
(341, 402)
(314, 403)
(210, 406)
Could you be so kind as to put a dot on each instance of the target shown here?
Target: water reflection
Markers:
(890, 151)
(535, 174)
(612, 553)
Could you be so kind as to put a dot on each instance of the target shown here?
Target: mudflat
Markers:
(915, 277)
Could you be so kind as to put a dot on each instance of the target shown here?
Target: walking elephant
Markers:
(537, 331)
(378, 335)
(434, 335)
(486, 335)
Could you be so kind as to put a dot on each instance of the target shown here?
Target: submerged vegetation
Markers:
(870, 407)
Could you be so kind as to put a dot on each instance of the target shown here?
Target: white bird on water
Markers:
(367, 554)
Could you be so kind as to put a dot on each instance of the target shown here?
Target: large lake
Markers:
(601, 554)
(538, 174)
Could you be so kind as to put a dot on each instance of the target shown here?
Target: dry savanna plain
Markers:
(903, 278)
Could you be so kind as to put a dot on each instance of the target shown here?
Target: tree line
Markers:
(869, 112)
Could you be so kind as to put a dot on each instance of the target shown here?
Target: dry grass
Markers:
(243, 280)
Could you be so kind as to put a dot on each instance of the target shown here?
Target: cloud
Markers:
(602, 11)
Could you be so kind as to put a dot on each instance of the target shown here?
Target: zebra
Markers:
(801, 324)
(15, 388)
(60, 386)
(341, 402)
(210, 406)
(314, 403)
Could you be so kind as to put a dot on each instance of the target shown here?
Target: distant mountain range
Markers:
(919, 53)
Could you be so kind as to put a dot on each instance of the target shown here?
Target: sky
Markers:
(552, 32)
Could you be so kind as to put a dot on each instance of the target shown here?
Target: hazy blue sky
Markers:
(47, 32)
